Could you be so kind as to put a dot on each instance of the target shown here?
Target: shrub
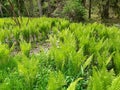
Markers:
(74, 10)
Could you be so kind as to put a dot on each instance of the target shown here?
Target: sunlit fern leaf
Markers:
(110, 58)
(25, 47)
(115, 84)
(87, 62)
(56, 81)
(101, 79)
(73, 84)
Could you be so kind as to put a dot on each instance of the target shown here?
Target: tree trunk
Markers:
(90, 5)
(1, 10)
(84, 3)
(105, 10)
(31, 8)
(116, 8)
(49, 8)
(40, 8)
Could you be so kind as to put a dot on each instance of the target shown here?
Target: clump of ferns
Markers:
(25, 48)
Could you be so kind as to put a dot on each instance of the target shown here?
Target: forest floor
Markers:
(112, 21)
(37, 47)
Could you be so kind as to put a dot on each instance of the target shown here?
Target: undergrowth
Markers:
(80, 56)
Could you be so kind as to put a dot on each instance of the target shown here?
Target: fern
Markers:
(115, 84)
(28, 68)
(56, 81)
(25, 47)
(101, 79)
(73, 84)
(4, 55)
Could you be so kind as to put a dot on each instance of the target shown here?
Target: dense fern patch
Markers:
(77, 57)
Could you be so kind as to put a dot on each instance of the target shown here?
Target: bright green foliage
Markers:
(12, 81)
(69, 51)
(63, 51)
(104, 81)
(28, 69)
(56, 81)
(73, 84)
(25, 48)
(101, 79)
(117, 62)
(115, 84)
(87, 62)
(4, 55)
